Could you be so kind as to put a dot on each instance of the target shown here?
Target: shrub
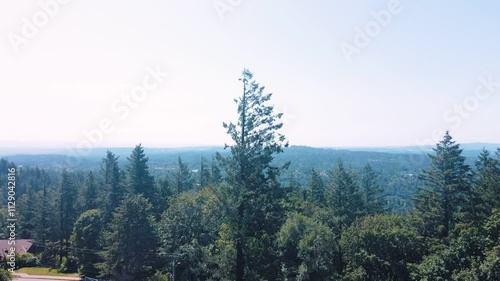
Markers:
(4, 275)
(27, 260)
(69, 265)
(159, 277)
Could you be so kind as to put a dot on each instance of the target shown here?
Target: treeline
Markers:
(235, 220)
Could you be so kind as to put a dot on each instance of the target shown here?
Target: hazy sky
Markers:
(345, 73)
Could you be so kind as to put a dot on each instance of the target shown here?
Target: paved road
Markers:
(26, 277)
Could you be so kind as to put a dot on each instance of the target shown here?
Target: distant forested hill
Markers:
(397, 168)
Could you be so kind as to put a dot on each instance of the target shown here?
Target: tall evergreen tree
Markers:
(345, 202)
(372, 193)
(132, 239)
(45, 209)
(4, 165)
(317, 188)
(487, 184)
(27, 216)
(164, 191)
(442, 201)
(255, 190)
(215, 173)
(183, 178)
(67, 212)
(88, 193)
(113, 187)
(293, 183)
(344, 196)
(204, 173)
(139, 179)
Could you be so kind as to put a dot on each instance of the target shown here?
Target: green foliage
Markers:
(139, 179)
(191, 216)
(113, 190)
(158, 276)
(85, 240)
(69, 265)
(182, 177)
(191, 225)
(490, 268)
(46, 215)
(205, 177)
(27, 218)
(487, 187)
(49, 256)
(371, 191)
(67, 212)
(27, 260)
(131, 241)
(89, 194)
(4, 215)
(164, 192)
(4, 275)
(344, 197)
(443, 201)
(215, 173)
(317, 188)
(225, 254)
(492, 226)
(255, 192)
(307, 249)
(380, 247)
(468, 256)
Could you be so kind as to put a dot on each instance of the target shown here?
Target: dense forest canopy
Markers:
(260, 210)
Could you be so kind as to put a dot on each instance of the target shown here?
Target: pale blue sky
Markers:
(400, 89)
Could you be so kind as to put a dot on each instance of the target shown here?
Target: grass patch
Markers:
(45, 271)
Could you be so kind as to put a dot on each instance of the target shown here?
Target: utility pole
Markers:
(173, 256)
(173, 269)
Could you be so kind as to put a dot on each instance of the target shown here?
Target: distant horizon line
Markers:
(222, 146)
